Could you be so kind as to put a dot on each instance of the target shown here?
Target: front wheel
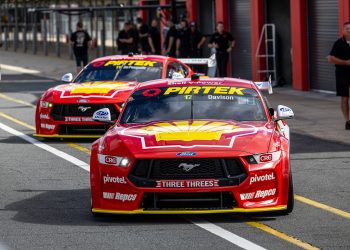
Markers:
(290, 204)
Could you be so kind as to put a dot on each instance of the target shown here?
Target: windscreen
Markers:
(194, 102)
(121, 70)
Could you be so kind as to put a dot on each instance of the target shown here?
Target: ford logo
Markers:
(101, 113)
(186, 154)
(82, 100)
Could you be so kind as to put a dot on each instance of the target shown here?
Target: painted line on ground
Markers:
(19, 69)
(28, 81)
(210, 227)
(325, 207)
(73, 145)
(46, 147)
(8, 98)
(223, 233)
(281, 235)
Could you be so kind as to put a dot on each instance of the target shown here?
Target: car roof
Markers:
(235, 82)
(133, 57)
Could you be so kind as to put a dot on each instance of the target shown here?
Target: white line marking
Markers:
(46, 147)
(28, 81)
(227, 235)
(210, 227)
(19, 69)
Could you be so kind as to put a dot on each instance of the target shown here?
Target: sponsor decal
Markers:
(109, 159)
(186, 154)
(205, 183)
(44, 116)
(194, 82)
(151, 92)
(119, 196)
(103, 115)
(47, 126)
(83, 101)
(285, 109)
(113, 179)
(205, 90)
(187, 167)
(83, 108)
(78, 119)
(119, 63)
(258, 194)
(261, 178)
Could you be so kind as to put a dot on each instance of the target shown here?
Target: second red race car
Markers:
(66, 110)
(193, 146)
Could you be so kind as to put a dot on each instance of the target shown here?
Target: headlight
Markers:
(44, 104)
(263, 158)
(119, 161)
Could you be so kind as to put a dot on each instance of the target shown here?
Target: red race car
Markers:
(66, 110)
(193, 146)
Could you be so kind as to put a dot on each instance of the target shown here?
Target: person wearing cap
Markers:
(196, 41)
(127, 39)
(182, 41)
(223, 42)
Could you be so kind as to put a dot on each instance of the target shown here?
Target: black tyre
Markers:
(290, 204)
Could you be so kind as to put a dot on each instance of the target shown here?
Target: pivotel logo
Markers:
(262, 178)
(186, 154)
(113, 179)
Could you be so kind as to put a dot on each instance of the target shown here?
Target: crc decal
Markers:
(204, 90)
(198, 133)
(47, 126)
(261, 178)
(258, 194)
(205, 183)
(78, 119)
(113, 179)
(109, 159)
(119, 196)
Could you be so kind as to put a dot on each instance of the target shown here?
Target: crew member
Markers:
(127, 39)
(170, 39)
(182, 41)
(223, 42)
(340, 56)
(154, 38)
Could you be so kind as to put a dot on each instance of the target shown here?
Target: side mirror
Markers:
(283, 112)
(102, 115)
(67, 77)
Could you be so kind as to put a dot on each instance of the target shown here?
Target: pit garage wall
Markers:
(300, 34)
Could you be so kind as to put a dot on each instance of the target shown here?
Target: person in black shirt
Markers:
(80, 41)
(197, 40)
(340, 56)
(183, 40)
(143, 35)
(170, 39)
(127, 39)
(154, 38)
(223, 42)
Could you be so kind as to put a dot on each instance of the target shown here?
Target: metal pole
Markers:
(15, 31)
(96, 31)
(103, 34)
(25, 28)
(70, 33)
(113, 27)
(35, 31)
(58, 29)
(6, 43)
(44, 36)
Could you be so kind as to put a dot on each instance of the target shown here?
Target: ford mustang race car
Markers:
(193, 146)
(66, 110)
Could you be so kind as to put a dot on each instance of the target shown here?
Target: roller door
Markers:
(323, 31)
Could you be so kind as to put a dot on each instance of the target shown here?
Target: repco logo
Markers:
(111, 160)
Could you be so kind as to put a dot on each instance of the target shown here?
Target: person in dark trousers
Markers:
(196, 41)
(80, 41)
(183, 40)
(154, 38)
(127, 40)
(340, 57)
(170, 39)
(223, 42)
(143, 32)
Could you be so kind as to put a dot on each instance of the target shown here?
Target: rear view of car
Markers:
(194, 146)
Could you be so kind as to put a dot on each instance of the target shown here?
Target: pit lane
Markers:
(45, 199)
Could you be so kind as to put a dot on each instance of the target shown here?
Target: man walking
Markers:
(80, 41)
(340, 56)
(223, 42)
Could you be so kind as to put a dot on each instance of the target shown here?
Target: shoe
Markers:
(347, 125)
